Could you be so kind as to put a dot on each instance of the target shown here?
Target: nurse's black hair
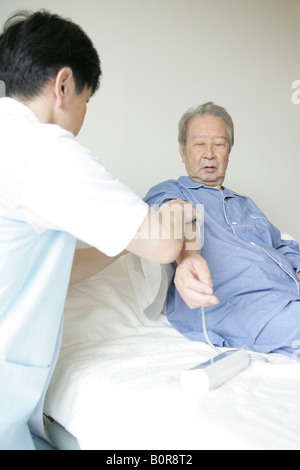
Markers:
(35, 46)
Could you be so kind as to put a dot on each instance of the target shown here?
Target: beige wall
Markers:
(160, 57)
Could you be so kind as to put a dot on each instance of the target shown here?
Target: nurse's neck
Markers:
(41, 106)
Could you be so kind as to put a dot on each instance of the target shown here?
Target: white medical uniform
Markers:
(52, 191)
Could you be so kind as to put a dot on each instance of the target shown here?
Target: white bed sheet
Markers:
(117, 382)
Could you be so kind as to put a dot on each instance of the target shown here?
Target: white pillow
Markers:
(102, 308)
(150, 282)
(128, 294)
(286, 236)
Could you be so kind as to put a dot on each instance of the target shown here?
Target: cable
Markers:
(206, 334)
(217, 350)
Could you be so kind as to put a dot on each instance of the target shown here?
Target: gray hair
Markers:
(206, 109)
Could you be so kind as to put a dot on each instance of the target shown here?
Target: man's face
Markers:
(207, 150)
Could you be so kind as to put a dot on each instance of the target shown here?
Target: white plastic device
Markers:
(214, 372)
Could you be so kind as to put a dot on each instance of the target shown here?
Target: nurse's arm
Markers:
(88, 262)
(159, 239)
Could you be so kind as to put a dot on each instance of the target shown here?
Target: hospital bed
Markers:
(117, 381)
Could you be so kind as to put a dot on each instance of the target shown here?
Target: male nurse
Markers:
(52, 192)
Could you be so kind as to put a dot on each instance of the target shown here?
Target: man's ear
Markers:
(64, 82)
(182, 152)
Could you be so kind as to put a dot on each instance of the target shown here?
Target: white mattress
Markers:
(117, 382)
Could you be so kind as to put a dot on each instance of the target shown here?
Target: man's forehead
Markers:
(207, 126)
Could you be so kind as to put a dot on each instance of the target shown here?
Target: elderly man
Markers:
(254, 273)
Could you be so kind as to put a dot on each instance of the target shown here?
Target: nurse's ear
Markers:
(63, 86)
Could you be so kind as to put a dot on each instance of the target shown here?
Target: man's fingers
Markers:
(195, 299)
(203, 273)
(194, 292)
(194, 284)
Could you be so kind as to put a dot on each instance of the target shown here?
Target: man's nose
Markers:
(209, 153)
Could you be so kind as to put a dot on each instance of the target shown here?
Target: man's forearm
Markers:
(192, 242)
(192, 278)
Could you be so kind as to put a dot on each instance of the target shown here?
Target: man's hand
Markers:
(298, 276)
(193, 281)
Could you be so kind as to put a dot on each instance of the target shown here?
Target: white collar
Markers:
(16, 108)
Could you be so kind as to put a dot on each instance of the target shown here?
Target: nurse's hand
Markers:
(193, 280)
(298, 276)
